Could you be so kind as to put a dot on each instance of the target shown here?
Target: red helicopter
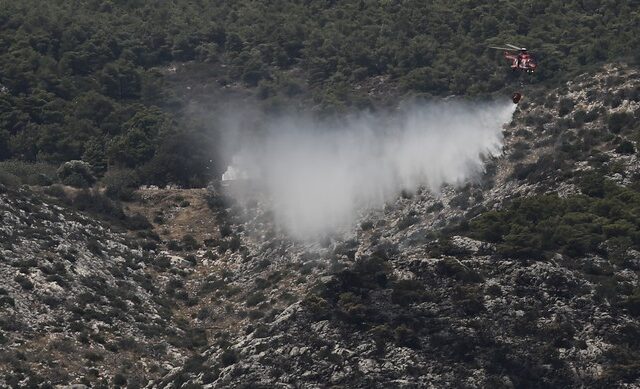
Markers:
(519, 57)
(520, 60)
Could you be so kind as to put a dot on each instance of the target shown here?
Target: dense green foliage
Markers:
(576, 225)
(80, 79)
(75, 84)
(15, 173)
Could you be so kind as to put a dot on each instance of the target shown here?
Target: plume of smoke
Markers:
(319, 174)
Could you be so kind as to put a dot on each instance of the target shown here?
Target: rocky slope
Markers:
(407, 302)
(217, 296)
(82, 299)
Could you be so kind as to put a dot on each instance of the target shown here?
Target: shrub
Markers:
(95, 202)
(94, 247)
(194, 364)
(120, 184)
(40, 174)
(76, 173)
(137, 222)
(318, 307)
(7, 301)
(235, 243)
(174, 245)
(579, 117)
(228, 357)
(182, 158)
(632, 303)
(618, 120)
(461, 200)
(405, 336)
(366, 225)
(565, 106)
(225, 230)
(625, 147)
(162, 263)
(56, 191)
(255, 299)
(219, 201)
(189, 242)
(544, 165)
(435, 207)
(381, 335)
(592, 115)
(407, 292)
(93, 356)
(9, 179)
(210, 255)
(191, 259)
(453, 268)
(407, 221)
(24, 282)
(353, 308)
(592, 185)
(119, 380)
(256, 314)
(575, 225)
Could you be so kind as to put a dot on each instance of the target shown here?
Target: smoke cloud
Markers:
(320, 173)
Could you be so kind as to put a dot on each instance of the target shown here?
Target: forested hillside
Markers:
(83, 79)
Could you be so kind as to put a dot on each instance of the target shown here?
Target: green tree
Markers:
(130, 149)
(95, 155)
(121, 80)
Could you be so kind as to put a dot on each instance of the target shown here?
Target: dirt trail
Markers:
(177, 212)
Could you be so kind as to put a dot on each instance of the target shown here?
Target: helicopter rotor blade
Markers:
(500, 48)
(514, 47)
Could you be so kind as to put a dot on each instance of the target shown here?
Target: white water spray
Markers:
(320, 174)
